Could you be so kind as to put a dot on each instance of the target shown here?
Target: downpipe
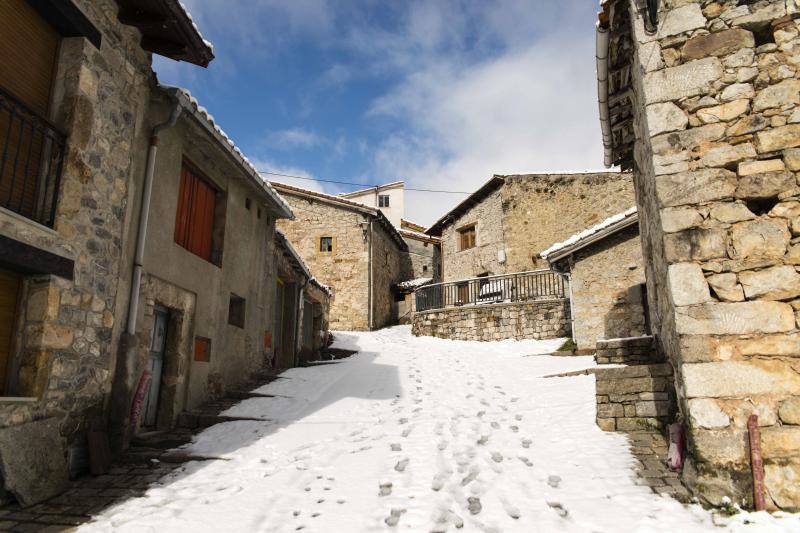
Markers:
(298, 328)
(756, 463)
(571, 310)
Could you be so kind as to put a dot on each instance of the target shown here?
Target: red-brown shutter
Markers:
(194, 218)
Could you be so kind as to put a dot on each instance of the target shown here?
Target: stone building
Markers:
(353, 249)
(302, 308)
(502, 227)
(199, 298)
(606, 279)
(75, 82)
(424, 253)
(389, 198)
(702, 101)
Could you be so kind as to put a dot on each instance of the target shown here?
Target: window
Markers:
(424, 268)
(467, 237)
(202, 349)
(194, 220)
(326, 244)
(247, 203)
(383, 200)
(236, 309)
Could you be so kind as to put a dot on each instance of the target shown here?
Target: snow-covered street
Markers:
(417, 434)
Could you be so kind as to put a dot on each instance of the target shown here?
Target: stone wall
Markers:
(716, 94)
(635, 397)
(346, 269)
(387, 261)
(489, 237)
(67, 341)
(537, 320)
(540, 210)
(529, 213)
(627, 351)
(423, 259)
(607, 299)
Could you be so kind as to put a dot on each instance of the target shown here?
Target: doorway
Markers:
(155, 365)
(9, 294)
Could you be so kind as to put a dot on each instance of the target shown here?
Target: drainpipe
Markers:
(601, 61)
(298, 326)
(371, 313)
(144, 214)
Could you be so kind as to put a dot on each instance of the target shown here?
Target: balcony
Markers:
(536, 285)
(31, 159)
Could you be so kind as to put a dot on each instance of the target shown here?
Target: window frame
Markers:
(465, 232)
(189, 213)
(237, 311)
(331, 244)
(383, 200)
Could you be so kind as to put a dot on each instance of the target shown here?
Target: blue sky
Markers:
(440, 93)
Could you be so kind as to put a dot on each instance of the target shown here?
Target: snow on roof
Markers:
(203, 113)
(418, 235)
(414, 283)
(575, 239)
(186, 12)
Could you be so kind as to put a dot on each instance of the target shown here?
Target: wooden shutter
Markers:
(9, 292)
(194, 218)
(28, 48)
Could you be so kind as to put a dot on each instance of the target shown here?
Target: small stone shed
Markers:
(702, 100)
(353, 249)
(502, 226)
(302, 309)
(606, 279)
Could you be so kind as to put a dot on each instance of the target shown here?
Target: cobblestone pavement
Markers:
(85, 497)
(650, 450)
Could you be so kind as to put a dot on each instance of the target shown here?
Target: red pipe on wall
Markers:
(756, 463)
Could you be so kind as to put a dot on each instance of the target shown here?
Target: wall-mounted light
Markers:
(365, 229)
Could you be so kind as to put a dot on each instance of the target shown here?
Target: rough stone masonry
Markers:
(713, 135)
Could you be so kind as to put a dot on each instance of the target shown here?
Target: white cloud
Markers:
(292, 138)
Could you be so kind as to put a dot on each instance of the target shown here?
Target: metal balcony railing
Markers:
(31, 157)
(508, 288)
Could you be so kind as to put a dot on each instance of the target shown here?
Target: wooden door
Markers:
(9, 296)
(156, 365)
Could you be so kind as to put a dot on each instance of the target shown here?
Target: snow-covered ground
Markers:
(417, 434)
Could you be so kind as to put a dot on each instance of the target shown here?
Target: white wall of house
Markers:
(396, 194)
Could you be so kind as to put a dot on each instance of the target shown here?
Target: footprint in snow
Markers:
(406, 432)
(480, 413)
(438, 481)
(385, 488)
(518, 418)
(526, 443)
(394, 516)
(553, 481)
(403, 421)
(514, 428)
(483, 440)
(515, 399)
(402, 464)
(495, 425)
(296, 513)
(497, 457)
(396, 447)
(442, 445)
(557, 507)
(525, 460)
(510, 509)
(474, 505)
(470, 477)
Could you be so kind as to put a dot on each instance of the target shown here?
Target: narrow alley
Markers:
(418, 434)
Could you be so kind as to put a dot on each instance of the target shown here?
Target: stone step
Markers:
(627, 351)
(635, 397)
